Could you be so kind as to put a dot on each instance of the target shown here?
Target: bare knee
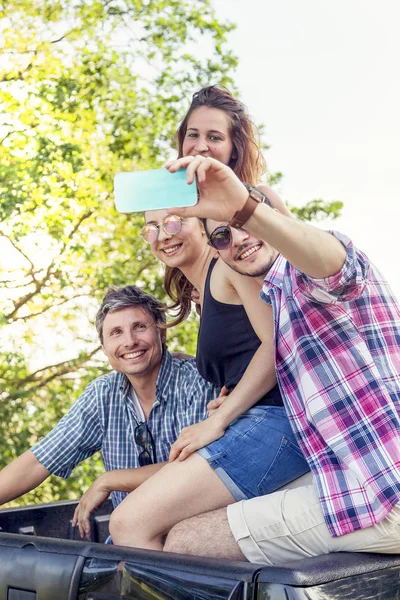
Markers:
(118, 528)
(179, 538)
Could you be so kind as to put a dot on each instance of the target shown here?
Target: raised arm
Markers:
(21, 476)
(309, 249)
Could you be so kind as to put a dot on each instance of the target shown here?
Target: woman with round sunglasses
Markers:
(246, 447)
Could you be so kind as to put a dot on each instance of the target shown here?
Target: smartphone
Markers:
(153, 190)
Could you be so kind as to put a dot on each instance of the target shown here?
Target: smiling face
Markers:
(246, 255)
(181, 249)
(208, 134)
(132, 342)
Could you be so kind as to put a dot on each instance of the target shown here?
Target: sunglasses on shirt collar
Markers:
(144, 439)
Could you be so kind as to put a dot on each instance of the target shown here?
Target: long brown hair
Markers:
(247, 162)
(179, 289)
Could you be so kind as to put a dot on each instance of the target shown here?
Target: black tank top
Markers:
(226, 343)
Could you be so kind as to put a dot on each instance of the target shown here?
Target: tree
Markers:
(86, 89)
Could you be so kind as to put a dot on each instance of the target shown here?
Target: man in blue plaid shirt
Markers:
(132, 415)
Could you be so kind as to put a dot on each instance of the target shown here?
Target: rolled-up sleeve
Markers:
(77, 436)
(348, 284)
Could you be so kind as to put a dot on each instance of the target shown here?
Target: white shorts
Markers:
(289, 524)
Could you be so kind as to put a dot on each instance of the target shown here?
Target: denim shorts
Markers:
(258, 453)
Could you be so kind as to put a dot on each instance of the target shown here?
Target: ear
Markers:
(163, 335)
(104, 350)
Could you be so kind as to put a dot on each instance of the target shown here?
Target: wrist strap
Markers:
(243, 215)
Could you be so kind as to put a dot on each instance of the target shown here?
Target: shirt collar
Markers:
(164, 376)
(275, 276)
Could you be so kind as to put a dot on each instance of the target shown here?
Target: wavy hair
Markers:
(247, 160)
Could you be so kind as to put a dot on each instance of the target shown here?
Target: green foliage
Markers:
(317, 210)
(87, 88)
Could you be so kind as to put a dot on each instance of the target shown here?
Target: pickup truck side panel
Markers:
(63, 567)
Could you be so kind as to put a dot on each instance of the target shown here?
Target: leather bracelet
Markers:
(243, 215)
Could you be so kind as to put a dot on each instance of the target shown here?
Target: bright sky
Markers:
(323, 76)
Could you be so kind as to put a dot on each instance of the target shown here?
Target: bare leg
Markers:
(209, 534)
(178, 491)
(204, 535)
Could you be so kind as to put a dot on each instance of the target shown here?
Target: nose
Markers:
(201, 145)
(129, 338)
(162, 235)
(239, 236)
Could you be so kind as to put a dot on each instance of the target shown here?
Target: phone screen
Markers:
(138, 191)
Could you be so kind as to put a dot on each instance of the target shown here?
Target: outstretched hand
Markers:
(221, 193)
(93, 498)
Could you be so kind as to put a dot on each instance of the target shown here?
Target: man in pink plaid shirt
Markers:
(337, 357)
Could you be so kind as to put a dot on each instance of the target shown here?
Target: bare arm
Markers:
(126, 480)
(21, 476)
(122, 480)
(309, 249)
(275, 199)
(258, 379)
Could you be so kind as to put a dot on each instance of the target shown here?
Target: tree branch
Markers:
(40, 283)
(60, 38)
(14, 245)
(46, 308)
(61, 368)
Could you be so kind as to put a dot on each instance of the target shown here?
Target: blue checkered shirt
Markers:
(103, 418)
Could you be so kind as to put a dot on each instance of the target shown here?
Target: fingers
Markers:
(181, 163)
(196, 166)
(213, 404)
(184, 446)
(187, 451)
(195, 295)
(174, 452)
(81, 519)
(175, 164)
(75, 517)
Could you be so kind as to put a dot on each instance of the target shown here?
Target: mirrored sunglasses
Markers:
(220, 238)
(171, 225)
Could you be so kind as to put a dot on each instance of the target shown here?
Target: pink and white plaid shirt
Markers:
(337, 355)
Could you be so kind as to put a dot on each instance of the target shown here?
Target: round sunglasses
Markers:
(220, 238)
(171, 225)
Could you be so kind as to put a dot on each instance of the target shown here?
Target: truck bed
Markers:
(42, 559)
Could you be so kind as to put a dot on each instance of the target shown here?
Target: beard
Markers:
(259, 271)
